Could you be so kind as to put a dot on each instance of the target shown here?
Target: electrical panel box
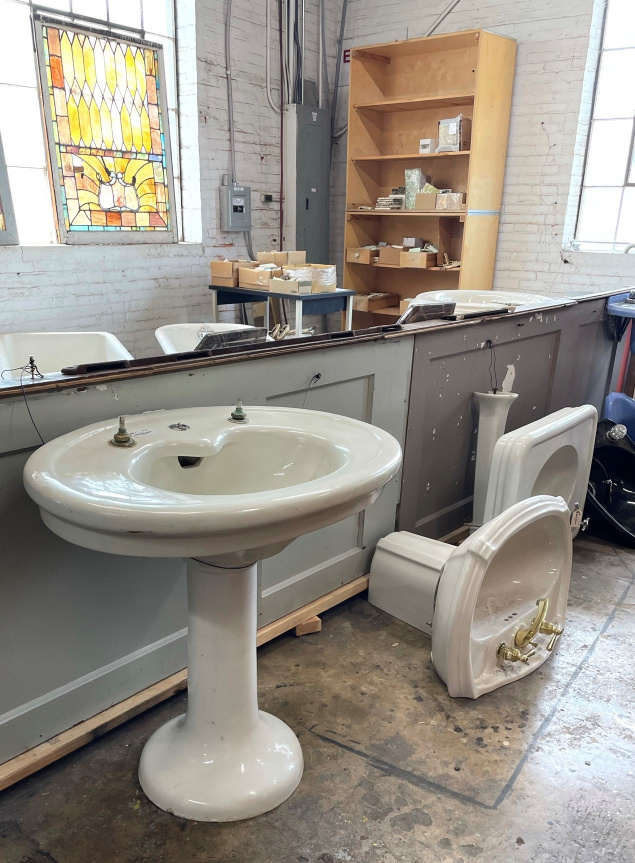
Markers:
(307, 178)
(235, 208)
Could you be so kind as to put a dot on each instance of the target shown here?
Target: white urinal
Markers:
(494, 605)
(549, 456)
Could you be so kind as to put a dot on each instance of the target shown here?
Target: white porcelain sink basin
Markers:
(470, 302)
(179, 338)
(223, 494)
(53, 351)
(232, 493)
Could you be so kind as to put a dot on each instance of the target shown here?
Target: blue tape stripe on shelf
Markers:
(483, 212)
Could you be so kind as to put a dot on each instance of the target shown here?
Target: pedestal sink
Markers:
(222, 491)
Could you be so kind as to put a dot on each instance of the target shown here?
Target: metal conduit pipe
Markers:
(441, 17)
(268, 59)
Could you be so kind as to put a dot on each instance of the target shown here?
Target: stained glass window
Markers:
(8, 233)
(108, 137)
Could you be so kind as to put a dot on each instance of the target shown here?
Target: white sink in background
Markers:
(224, 494)
(179, 338)
(470, 302)
(54, 351)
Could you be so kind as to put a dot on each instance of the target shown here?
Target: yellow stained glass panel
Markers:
(106, 96)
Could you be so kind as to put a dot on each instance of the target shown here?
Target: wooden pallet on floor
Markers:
(79, 735)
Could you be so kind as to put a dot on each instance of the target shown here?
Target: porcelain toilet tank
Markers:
(223, 488)
(552, 456)
(494, 606)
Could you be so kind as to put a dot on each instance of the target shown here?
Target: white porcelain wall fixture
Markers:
(223, 490)
(552, 455)
(180, 338)
(54, 351)
(493, 408)
(495, 605)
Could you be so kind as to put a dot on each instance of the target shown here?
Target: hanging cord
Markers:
(493, 376)
(317, 377)
(32, 369)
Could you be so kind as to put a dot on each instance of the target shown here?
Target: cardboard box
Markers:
(414, 181)
(371, 302)
(225, 273)
(290, 286)
(426, 201)
(418, 260)
(427, 145)
(404, 305)
(451, 201)
(324, 278)
(258, 280)
(413, 242)
(278, 258)
(361, 256)
(390, 255)
(296, 259)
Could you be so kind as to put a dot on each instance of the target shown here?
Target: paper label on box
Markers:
(452, 128)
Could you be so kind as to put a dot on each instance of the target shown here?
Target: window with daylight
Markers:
(109, 148)
(606, 218)
(103, 74)
(8, 234)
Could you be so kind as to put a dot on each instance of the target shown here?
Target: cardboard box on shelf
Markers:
(414, 180)
(371, 302)
(451, 201)
(259, 280)
(225, 273)
(418, 260)
(390, 255)
(361, 256)
(427, 145)
(413, 242)
(426, 201)
(291, 286)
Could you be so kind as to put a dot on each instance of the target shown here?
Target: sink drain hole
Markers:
(189, 461)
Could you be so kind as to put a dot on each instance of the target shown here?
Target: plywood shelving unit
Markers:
(398, 93)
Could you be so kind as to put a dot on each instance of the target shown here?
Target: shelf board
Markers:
(437, 213)
(410, 156)
(409, 269)
(419, 104)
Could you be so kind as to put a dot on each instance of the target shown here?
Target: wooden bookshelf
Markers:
(398, 93)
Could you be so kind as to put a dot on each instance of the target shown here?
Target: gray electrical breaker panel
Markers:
(235, 208)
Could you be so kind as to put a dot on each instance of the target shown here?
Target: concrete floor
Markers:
(395, 770)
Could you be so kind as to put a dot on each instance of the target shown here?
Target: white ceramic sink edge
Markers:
(294, 471)
(53, 351)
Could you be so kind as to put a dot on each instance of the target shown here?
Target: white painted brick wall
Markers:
(131, 290)
(546, 147)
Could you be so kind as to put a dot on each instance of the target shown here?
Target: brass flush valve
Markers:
(513, 654)
(122, 437)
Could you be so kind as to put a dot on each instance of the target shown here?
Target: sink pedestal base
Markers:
(223, 760)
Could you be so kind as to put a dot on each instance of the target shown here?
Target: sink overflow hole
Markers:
(189, 461)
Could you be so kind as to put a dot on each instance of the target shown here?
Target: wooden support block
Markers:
(313, 624)
(52, 750)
